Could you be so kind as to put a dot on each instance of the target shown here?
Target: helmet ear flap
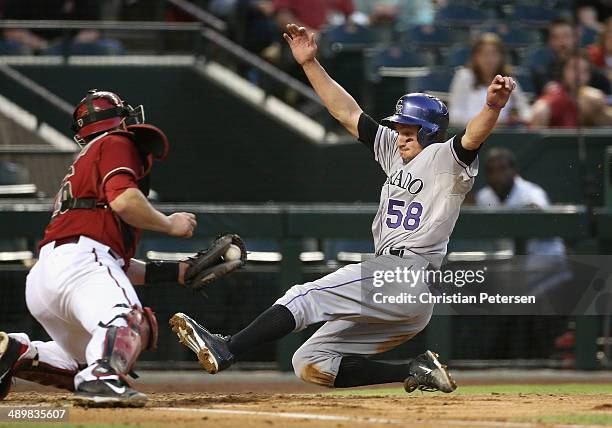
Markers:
(427, 136)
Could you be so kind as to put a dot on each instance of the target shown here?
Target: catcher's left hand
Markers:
(209, 265)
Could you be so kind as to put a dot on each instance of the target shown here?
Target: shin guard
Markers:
(123, 345)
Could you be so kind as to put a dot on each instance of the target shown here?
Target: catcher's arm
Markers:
(202, 268)
(138, 269)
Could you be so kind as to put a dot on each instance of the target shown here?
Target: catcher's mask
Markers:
(101, 111)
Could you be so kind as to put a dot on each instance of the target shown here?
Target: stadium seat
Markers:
(458, 14)
(346, 37)
(517, 37)
(428, 35)
(389, 70)
(537, 56)
(524, 79)
(436, 82)
(395, 57)
(533, 14)
(432, 40)
(513, 36)
(458, 55)
(342, 50)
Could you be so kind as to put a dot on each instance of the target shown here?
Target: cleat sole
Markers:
(188, 338)
(100, 401)
(442, 374)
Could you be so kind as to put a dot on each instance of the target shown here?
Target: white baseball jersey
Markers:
(420, 200)
(419, 204)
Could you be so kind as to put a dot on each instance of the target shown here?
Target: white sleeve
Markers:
(386, 152)
(447, 160)
(538, 197)
(485, 197)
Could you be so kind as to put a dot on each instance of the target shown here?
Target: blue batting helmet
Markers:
(424, 110)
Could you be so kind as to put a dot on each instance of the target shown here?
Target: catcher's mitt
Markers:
(209, 265)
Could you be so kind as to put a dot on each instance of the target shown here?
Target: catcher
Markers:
(81, 290)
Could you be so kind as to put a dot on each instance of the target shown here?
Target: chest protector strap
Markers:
(81, 204)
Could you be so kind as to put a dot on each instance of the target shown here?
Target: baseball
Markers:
(232, 253)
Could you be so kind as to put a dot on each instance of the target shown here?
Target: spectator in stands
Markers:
(468, 89)
(569, 101)
(602, 9)
(312, 14)
(586, 16)
(506, 188)
(57, 41)
(254, 26)
(391, 12)
(562, 43)
(601, 52)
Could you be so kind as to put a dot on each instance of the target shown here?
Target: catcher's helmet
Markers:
(424, 110)
(102, 111)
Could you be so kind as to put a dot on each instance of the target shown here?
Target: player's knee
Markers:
(308, 367)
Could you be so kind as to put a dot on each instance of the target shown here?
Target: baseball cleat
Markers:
(10, 351)
(427, 374)
(212, 350)
(108, 393)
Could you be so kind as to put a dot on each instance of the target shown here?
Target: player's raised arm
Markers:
(481, 125)
(341, 104)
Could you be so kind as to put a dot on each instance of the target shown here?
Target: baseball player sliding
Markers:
(81, 290)
(427, 179)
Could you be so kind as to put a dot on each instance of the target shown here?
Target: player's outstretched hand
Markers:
(499, 91)
(182, 225)
(303, 45)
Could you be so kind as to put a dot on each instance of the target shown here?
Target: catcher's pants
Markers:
(358, 323)
(75, 291)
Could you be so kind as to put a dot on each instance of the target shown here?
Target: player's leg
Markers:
(342, 294)
(45, 363)
(83, 299)
(120, 329)
(301, 306)
(42, 362)
(337, 355)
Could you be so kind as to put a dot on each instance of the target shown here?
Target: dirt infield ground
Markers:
(518, 406)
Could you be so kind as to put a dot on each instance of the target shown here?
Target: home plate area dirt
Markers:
(361, 408)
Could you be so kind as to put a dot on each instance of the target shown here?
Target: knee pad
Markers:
(123, 345)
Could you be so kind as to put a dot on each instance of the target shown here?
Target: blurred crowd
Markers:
(559, 51)
(56, 41)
